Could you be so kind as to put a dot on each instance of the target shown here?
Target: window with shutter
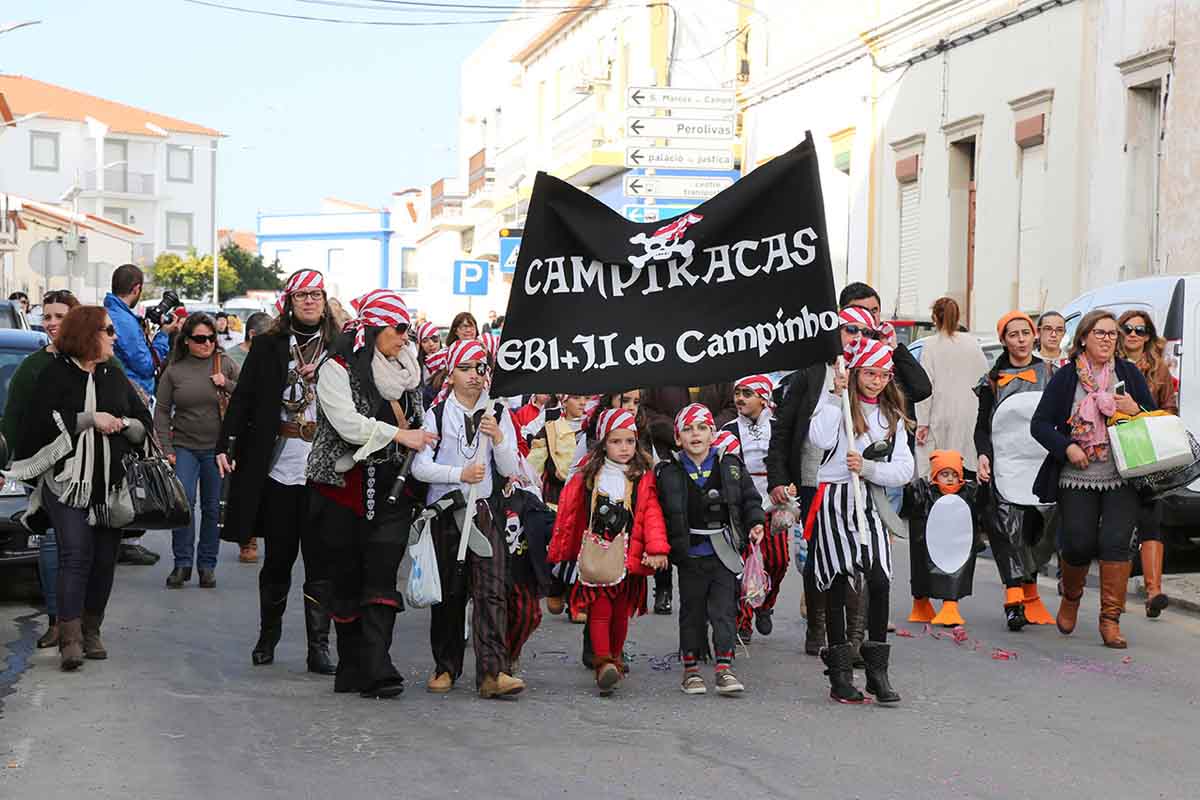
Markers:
(910, 247)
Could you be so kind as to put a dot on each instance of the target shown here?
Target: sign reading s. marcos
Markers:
(742, 283)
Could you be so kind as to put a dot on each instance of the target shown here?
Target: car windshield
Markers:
(9, 361)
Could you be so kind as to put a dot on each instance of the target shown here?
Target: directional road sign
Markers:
(676, 188)
(510, 248)
(656, 212)
(657, 97)
(687, 157)
(719, 128)
(471, 277)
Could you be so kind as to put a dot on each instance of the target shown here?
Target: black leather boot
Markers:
(762, 620)
(662, 602)
(272, 600)
(838, 666)
(381, 679)
(877, 655)
(316, 625)
(178, 577)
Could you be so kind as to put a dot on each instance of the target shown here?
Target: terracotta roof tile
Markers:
(26, 96)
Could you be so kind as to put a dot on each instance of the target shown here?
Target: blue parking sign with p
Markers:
(471, 277)
(510, 250)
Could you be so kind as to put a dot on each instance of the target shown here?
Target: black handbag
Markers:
(150, 496)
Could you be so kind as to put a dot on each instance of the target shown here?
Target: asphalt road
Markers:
(179, 712)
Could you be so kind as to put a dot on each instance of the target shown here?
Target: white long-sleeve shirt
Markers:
(755, 436)
(337, 401)
(827, 432)
(444, 474)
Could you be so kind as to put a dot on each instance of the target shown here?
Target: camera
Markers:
(170, 301)
(610, 519)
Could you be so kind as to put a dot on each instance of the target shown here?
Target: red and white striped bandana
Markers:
(465, 350)
(425, 331)
(437, 361)
(761, 385)
(490, 342)
(726, 442)
(615, 419)
(871, 354)
(888, 334)
(853, 315)
(692, 414)
(299, 281)
(381, 308)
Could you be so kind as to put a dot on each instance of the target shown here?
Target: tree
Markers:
(191, 275)
(252, 271)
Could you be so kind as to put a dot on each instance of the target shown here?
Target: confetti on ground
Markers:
(1000, 654)
(931, 632)
(960, 634)
(1127, 660)
(904, 633)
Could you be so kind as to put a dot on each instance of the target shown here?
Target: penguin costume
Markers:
(942, 515)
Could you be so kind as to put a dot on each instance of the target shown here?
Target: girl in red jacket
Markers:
(611, 502)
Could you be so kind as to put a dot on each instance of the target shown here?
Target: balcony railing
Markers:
(121, 181)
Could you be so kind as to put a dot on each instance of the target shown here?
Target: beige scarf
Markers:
(395, 376)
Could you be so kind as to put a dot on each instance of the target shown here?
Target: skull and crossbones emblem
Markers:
(514, 533)
(666, 242)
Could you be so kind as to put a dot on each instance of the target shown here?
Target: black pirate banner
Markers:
(741, 284)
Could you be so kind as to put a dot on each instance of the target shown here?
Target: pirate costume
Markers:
(710, 509)
(482, 576)
(842, 550)
(272, 415)
(1008, 396)
(528, 525)
(754, 439)
(618, 518)
(365, 399)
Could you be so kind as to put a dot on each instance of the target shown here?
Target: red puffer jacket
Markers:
(649, 528)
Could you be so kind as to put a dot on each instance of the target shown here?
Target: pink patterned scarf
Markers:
(1089, 423)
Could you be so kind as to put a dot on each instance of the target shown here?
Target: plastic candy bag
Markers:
(424, 587)
(755, 581)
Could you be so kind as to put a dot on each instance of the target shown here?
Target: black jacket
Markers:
(741, 498)
(253, 417)
(986, 392)
(1050, 424)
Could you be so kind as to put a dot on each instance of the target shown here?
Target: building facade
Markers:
(148, 171)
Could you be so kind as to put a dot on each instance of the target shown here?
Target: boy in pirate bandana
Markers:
(712, 509)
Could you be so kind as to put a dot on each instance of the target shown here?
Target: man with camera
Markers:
(134, 350)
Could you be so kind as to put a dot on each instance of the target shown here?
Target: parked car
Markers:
(11, 316)
(990, 344)
(1173, 301)
(18, 547)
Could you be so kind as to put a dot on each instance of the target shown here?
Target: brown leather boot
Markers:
(1073, 580)
(70, 644)
(1114, 580)
(608, 674)
(1152, 567)
(93, 648)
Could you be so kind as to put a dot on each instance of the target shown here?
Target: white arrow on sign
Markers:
(678, 187)
(659, 97)
(681, 157)
(680, 128)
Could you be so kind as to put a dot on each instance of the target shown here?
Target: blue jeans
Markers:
(48, 570)
(198, 467)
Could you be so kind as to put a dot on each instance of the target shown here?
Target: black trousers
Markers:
(1149, 522)
(662, 580)
(288, 531)
(1012, 532)
(878, 589)
(87, 560)
(487, 588)
(1097, 524)
(708, 595)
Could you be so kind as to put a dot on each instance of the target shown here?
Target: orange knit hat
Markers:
(1010, 317)
(946, 459)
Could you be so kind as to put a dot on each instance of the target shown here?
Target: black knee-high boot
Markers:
(316, 625)
(381, 677)
(272, 600)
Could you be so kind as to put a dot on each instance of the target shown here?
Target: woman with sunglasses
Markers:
(1141, 344)
(1098, 509)
(193, 392)
(21, 399)
(86, 408)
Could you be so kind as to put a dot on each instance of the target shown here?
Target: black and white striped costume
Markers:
(836, 547)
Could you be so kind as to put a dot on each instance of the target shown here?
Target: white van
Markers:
(1173, 301)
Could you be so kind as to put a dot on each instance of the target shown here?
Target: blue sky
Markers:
(355, 112)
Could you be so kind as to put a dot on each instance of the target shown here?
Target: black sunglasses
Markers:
(855, 330)
(203, 339)
(401, 328)
(110, 330)
(57, 296)
(1140, 330)
(478, 369)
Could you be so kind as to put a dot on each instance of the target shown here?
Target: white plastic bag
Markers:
(424, 587)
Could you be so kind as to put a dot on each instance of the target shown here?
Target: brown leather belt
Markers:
(295, 430)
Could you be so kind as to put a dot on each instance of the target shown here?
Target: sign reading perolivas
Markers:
(740, 284)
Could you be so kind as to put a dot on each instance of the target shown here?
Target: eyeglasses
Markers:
(1099, 334)
(479, 368)
(110, 330)
(1051, 329)
(465, 326)
(57, 296)
(1138, 330)
(203, 339)
(312, 294)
